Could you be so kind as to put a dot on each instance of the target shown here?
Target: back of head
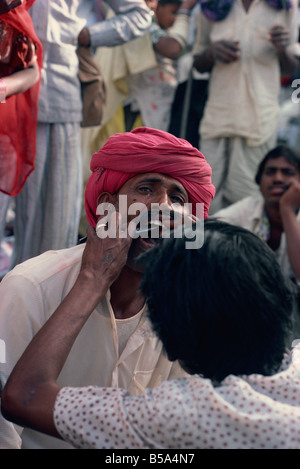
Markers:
(221, 309)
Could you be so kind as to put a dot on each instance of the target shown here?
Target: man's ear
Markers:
(106, 197)
(107, 202)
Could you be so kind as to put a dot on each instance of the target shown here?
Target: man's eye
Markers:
(178, 199)
(269, 171)
(145, 188)
(289, 172)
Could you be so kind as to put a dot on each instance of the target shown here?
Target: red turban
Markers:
(146, 150)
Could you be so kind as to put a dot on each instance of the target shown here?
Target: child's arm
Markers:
(19, 81)
(173, 44)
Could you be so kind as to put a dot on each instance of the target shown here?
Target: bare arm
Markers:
(289, 205)
(280, 39)
(30, 392)
(21, 81)
(168, 47)
(172, 45)
(222, 51)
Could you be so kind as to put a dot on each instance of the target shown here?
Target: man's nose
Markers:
(164, 199)
(278, 176)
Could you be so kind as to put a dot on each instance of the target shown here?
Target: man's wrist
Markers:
(84, 38)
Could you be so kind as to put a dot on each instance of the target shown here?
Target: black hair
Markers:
(170, 2)
(222, 309)
(281, 150)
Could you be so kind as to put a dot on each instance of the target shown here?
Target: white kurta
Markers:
(30, 294)
(244, 412)
(243, 95)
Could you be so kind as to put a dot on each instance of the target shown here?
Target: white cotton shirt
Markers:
(58, 23)
(243, 95)
(244, 412)
(29, 294)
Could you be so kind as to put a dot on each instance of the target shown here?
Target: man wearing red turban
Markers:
(145, 150)
(117, 347)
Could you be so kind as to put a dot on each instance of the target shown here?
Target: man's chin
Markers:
(140, 246)
(147, 243)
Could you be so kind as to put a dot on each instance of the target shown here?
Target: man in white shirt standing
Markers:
(246, 45)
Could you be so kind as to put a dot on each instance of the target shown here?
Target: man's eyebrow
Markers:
(281, 167)
(156, 180)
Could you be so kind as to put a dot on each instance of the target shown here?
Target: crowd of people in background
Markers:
(194, 102)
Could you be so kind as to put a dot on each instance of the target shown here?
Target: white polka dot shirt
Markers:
(245, 412)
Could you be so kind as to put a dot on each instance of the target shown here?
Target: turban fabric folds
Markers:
(146, 150)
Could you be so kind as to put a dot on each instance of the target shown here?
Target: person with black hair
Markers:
(227, 329)
(273, 214)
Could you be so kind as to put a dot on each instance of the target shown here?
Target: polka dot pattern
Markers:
(246, 412)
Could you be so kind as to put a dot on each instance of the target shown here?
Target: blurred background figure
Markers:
(274, 215)
(20, 66)
(246, 54)
(151, 92)
(191, 92)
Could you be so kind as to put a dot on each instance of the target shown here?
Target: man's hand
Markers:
(291, 198)
(103, 259)
(279, 37)
(8, 5)
(224, 51)
(289, 204)
(84, 38)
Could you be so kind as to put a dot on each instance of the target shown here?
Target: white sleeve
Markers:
(19, 321)
(132, 19)
(294, 47)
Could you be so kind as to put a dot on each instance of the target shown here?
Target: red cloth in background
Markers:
(146, 150)
(18, 116)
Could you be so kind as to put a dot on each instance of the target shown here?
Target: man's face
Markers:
(149, 189)
(277, 176)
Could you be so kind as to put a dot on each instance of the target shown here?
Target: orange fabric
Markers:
(145, 150)
(18, 116)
